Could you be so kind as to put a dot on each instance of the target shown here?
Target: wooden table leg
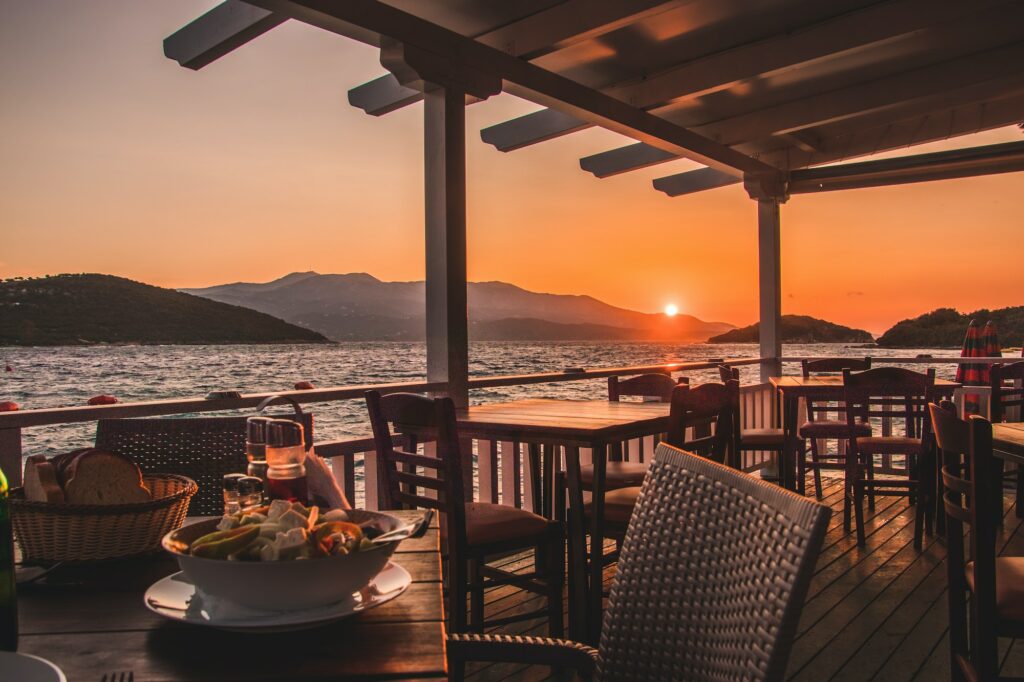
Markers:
(595, 606)
(577, 573)
(787, 475)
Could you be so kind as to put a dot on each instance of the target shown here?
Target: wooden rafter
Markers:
(519, 77)
(774, 54)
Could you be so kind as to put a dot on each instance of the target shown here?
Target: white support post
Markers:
(770, 285)
(444, 134)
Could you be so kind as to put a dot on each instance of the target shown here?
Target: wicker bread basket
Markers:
(49, 532)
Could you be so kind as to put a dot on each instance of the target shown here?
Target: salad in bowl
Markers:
(284, 555)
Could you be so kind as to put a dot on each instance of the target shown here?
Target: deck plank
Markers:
(873, 612)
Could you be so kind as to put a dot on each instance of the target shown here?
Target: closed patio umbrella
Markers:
(970, 374)
(990, 346)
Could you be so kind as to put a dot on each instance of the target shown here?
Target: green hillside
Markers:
(945, 328)
(798, 329)
(88, 308)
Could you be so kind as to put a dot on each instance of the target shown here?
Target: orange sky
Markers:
(115, 159)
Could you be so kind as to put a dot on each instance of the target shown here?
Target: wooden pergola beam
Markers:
(518, 76)
(556, 28)
(223, 29)
(957, 163)
(775, 54)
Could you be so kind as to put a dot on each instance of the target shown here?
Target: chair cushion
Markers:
(769, 438)
(618, 504)
(1009, 586)
(486, 523)
(889, 445)
(616, 474)
(832, 428)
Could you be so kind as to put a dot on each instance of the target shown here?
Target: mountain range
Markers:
(360, 307)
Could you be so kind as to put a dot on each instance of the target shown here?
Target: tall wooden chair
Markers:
(476, 531)
(897, 394)
(706, 406)
(826, 420)
(619, 473)
(992, 586)
(202, 448)
(1007, 404)
(714, 571)
(765, 439)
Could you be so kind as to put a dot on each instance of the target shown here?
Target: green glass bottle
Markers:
(8, 598)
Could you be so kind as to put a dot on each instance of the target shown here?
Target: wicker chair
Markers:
(202, 448)
(714, 571)
(996, 593)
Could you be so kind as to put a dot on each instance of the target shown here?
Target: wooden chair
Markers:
(1007, 383)
(706, 406)
(889, 393)
(700, 407)
(759, 439)
(202, 448)
(714, 571)
(821, 424)
(620, 473)
(992, 585)
(475, 531)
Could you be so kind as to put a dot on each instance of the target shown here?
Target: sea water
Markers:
(70, 375)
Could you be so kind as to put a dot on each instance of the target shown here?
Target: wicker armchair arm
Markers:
(559, 653)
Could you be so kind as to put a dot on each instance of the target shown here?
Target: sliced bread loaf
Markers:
(100, 477)
(40, 481)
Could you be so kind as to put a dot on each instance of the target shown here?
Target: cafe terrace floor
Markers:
(877, 612)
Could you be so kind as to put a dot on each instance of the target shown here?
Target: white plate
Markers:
(28, 668)
(170, 598)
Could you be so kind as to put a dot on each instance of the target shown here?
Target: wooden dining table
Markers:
(91, 621)
(570, 426)
(818, 388)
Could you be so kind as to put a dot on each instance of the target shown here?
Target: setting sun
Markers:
(671, 310)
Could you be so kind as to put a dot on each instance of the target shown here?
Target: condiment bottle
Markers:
(286, 456)
(231, 493)
(250, 492)
(256, 447)
(8, 597)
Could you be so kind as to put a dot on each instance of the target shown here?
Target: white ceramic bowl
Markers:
(284, 585)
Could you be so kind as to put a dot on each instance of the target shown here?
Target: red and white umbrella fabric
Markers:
(971, 374)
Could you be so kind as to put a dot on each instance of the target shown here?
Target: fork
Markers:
(125, 676)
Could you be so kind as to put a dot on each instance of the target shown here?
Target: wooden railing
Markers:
(501, 469)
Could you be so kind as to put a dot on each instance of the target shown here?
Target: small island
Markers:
(798, 329)
(93, 309)
(946, 328)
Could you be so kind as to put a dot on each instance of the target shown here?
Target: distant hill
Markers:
(799, 329)
(946, 328)
(360, 307)
(85, 309)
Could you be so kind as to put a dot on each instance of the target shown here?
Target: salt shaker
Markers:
(231, 505)
(250, 492)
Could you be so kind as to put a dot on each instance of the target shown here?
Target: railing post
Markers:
(487, 470)
(10, 455)
(371, 480)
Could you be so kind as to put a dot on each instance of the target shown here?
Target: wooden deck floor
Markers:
(877, 612)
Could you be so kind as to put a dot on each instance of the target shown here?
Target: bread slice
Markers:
(62, 461)
(100, 477)
(40, 481)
